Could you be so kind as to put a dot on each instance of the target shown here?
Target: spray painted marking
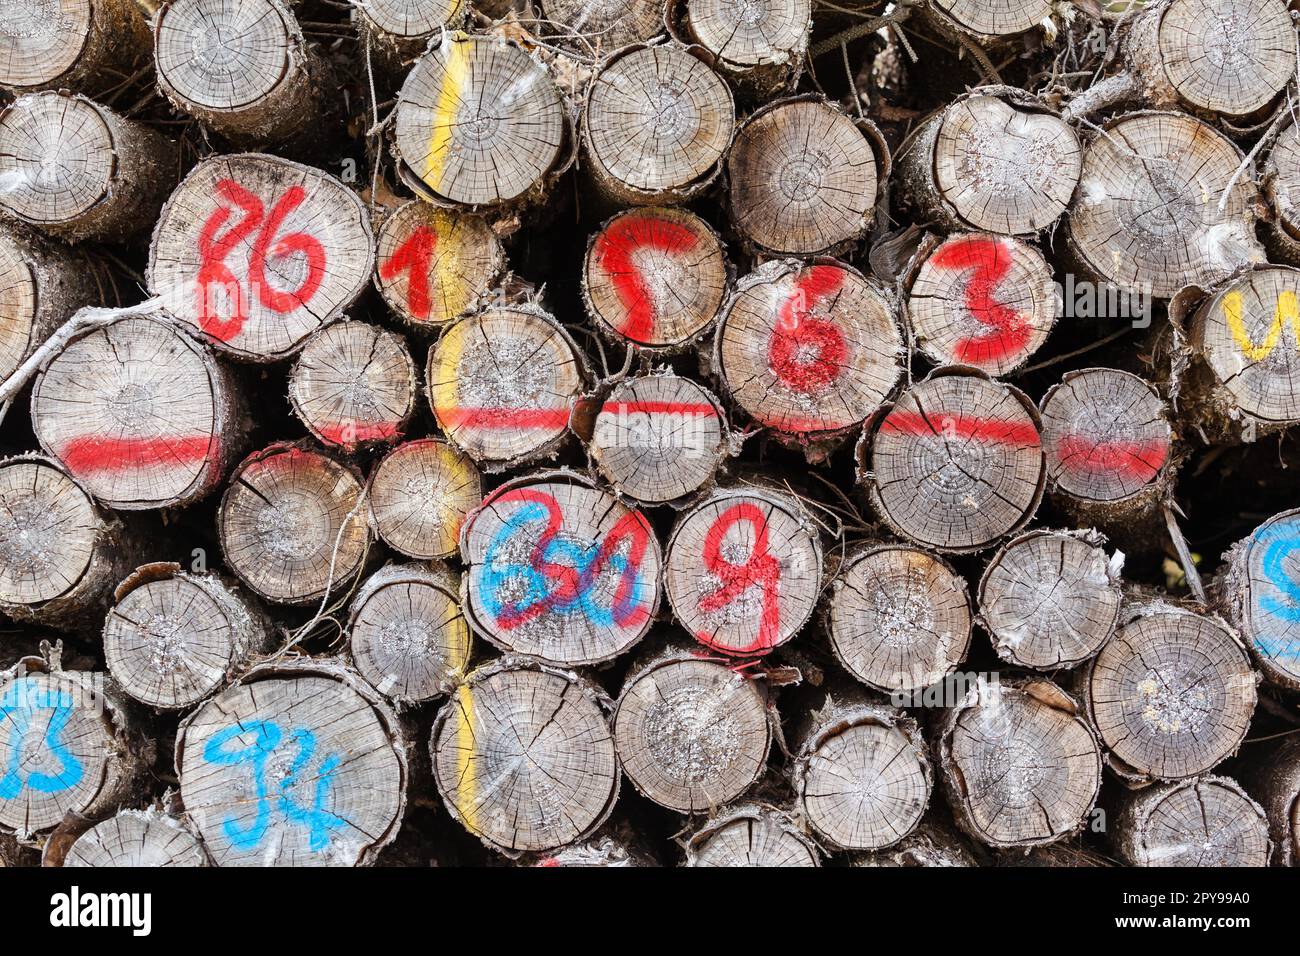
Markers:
(353, 433)
(1279, 541)
(415, 258)
(466, 774)
(22, 701)
(615, 250)
(562, 574)
(455, 77)
(1139, 460)
(950, 426)
(82, 455)
(692, 409)
(989, 261)
(1286, 311)
(807, 353)
(269, 736)
(760, 569)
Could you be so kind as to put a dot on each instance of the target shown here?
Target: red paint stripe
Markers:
(1137, 460)
(352, 433)
(699, 409)
(463, 417)
(122, 454)
(940, 424)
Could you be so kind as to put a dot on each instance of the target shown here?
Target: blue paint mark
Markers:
(1278, 648)
(1280, 543)
(21, 702)
(318, 821)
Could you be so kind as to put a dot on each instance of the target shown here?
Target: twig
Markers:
(1185, 556)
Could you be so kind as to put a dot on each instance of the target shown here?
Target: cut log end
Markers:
(752, 835)
(996, 20)
(1209, 822)
(1273, 778)
(609, 24)
(760, 44)
(137, 838)
(410, 19)
(72, 44)
(420, 494)
(1259, 594)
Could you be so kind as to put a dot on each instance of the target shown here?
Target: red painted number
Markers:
(414, 257)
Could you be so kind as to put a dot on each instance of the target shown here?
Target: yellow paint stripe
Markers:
(444, 380)
(455, 73)
(466, 772)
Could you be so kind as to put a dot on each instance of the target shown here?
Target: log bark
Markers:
(1280, 181)
(85, 45)
(752, 835)
(1050, 599)
(300, 763)
(292, 524)
(173, 639)
(140, 413)
(929, 845)
(1203, 822)
(559, 569)
(759, 46)
(956, 462)
(258, 252)
(506, 719)
(1273, 779)
(420, 494)
(136, 838)
(397, 31)
(77, 170)
(354, 386)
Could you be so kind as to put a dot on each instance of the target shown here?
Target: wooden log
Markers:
(523, 756)
(258, 252)
(397, 31)
(136, 838)
(1050, 599)
(752, 835)
(502, 383)
(606, 24)
(420, 494)
(292, 525)
(433, 265)
(993, 160)
(140, 413)
(1280, 182)
(931, 845)
(406, 633)
(862, 777)
(655, 277)
(656, 123)
(77, 170)
(759, 45)
(14, 853)
(1257, 593)
(1147, 216)
(692, 733)
(69, 743)
(808, 350)
(1273, 779)
(659, 438)
(1108, 442)
(1019, 764)
(899, 618)
(173, 639)
(85, 45)
(300, 763)
(354, 386)
(559, 569)
(481, 123)
(743, 570)
(60, 555)
(956, 463)
(982, 300)
(1207, 821)
(1171, 696)
(242, 68)
(803, 177)
(615, 845)
(987, 21)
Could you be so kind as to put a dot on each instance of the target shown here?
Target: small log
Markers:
(994, 160)
(691, 732)
(1171, 696)
(406, 633)
(752, 835)
(929, 845)
(1019, 764)
(1257, 592)
(77, 170)
(241, 67)
(523, 756)
(420, 495)
(85, 45)
(956, 463)
(70, 744)
(655, 277)
(1050, 599)
(1273, 778)
(1108, 443)
(140, 413)
(301, 763)
(1208, 821)
(808, 350)
(354, 386)
(434, 266)
(803, 177)
(258, 252)
(607, 24)
(899, 618)
(399, 30)
(743, 570)
(658, 438)
(759, 45)
(656, 123)
(982, 300)
(137, 838)
(862, 776)
(1147, 216)
(481, 123)
(502, 383)
(173, 639)
(292, 525)
(559, 569)
(1280, 179)
(60, 555)
(987, 22)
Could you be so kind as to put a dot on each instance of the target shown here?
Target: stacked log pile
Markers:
(669, 432)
